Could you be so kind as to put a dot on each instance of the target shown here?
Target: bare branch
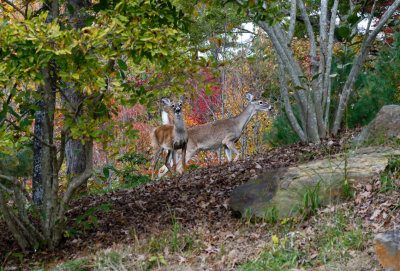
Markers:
(285, 95)
(310, 32)
(61, 149)
(11, 223)
(366, 34)
(8, 190)
(42, 141)
(9, 178)
(383, 21)
(292, 20)
(326, 86)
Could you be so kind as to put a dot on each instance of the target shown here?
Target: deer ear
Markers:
(249, 96)
(166, 101)
(183, 98)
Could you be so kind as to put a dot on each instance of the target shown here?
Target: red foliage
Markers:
(203, 105)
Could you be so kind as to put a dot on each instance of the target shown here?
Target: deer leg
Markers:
(167, 163)
(231, 146)
(174, 160)
(189, 154)
(157, 153)
(184, 157)
(228, 153)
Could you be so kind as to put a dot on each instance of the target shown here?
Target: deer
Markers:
(167, 113)
(170, 137)
(221, 133)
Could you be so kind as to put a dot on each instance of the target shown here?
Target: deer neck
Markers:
(243, 118)
(179, 125)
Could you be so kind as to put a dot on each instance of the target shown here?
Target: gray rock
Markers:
(387, 246)
(385, 124)
(284, 189)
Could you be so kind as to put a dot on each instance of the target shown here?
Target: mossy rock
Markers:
(284, 189)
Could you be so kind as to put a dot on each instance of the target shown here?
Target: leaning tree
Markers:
(41, 46)
(325, 24)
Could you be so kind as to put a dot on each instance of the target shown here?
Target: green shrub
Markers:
(281, 132)
(377, 87)
(129, 173)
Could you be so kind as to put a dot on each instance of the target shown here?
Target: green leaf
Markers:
(298, 87)
(162, 260)
(122, 65)
(85, 225)
(106, 172)
(353, 19)
(93, 220)
(71, 9)
(344, 32)
(315, 76)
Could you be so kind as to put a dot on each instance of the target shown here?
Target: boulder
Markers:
(387, 246)
(386, 124)
(283, 190)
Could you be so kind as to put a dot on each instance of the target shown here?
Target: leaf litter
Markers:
(199, 208)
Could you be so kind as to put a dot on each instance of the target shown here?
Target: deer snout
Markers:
(178, 109)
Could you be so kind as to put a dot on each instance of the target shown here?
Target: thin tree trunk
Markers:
(37, 187)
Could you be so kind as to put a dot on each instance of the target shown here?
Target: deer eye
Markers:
(260, 102)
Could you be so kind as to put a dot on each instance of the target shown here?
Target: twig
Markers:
(6, 258)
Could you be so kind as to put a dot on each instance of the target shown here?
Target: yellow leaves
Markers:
(275, 239)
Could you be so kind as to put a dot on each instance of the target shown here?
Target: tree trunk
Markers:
(74, 149)
(37, 187)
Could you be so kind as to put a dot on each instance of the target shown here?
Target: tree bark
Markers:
(37, 187)
(74, 149)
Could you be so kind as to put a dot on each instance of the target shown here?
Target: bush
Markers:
(281, 132)
(129, 173)
(378, 87)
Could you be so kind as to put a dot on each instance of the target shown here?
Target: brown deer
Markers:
(170, 137)
(221, 133)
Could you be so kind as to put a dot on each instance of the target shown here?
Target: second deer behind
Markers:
(170, 137)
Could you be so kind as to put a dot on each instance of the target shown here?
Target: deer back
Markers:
(211, 135)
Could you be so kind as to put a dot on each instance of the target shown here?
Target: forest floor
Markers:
(185, 223)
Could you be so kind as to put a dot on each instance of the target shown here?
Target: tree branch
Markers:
(366, 34)
(15, 7)
(292, 20)
(356, 68)
(327, 80)
(285, 95)
(313, 46)
(61, 150)
(42, 141)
